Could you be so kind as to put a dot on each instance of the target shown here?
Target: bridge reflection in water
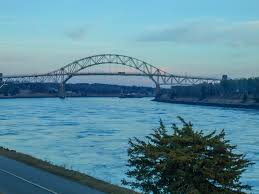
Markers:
(65, 73)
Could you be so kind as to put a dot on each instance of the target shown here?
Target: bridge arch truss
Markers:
(62, 75)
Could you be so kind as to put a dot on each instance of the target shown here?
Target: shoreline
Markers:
(69, 174)
(50, 96)
(75, 96)
(254, 106)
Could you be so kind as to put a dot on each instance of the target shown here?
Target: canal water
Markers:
(91, 134)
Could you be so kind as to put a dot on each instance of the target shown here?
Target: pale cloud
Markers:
(77, 34)
(231, 34)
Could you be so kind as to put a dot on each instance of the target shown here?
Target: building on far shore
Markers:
(224, 77)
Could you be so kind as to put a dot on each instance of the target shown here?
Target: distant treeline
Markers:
(229, 88)
(244, 89)
(84, 89)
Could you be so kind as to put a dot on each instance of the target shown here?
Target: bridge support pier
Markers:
(62, 91)
(157, 91)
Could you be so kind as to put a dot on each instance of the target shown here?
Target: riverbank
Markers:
(69, 96)
(230, 103)
(66, 173)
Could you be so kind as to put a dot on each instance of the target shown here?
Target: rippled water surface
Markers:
(91, 134)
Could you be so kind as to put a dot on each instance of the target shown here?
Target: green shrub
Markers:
(185, 162)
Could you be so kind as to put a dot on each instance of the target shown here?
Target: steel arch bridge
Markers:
(62, 75)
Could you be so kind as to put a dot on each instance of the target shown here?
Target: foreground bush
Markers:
(185, 162)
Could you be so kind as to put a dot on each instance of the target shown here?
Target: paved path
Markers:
(19, 178)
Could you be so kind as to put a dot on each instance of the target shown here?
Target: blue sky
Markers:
(200, 37)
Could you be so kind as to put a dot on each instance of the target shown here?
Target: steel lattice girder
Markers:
(62, 75)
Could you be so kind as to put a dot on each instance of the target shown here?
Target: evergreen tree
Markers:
(185, 162)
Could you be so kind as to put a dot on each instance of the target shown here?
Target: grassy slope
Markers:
(61, 171)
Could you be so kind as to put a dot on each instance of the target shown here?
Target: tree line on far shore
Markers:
(84, 89)
(243, 89)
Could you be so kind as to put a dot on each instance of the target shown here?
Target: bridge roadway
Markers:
(30, 78)
(19, 178)
(104, 74)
